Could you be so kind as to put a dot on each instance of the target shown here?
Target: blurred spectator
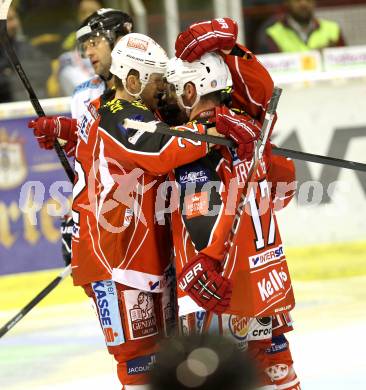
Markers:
(35, 63)
(70, 69)
(204, 362)
(298, 30)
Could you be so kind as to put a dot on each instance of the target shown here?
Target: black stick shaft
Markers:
(294, 154)
(27, 308)
(13, 58)
(196, 136)
(316, 158)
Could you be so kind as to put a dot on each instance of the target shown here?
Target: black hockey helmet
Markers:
(107, 22)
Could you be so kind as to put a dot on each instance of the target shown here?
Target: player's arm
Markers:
(253, 85)
(155, 153)
(282, 177)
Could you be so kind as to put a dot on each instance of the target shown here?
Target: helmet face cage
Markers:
(93, 39)
(106, 23)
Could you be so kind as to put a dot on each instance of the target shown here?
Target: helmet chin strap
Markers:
(188, 108)
(137, 94)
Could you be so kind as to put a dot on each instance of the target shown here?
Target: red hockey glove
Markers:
(242, 129)
(203, 37)
(47, 128)
(202, 281)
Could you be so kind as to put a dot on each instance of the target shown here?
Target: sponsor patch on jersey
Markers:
(108, 309)
(86, 122)
(277, 372)
(196, 205)
(272, 285)
(140, 365)
(128, 217)
(139, 44)
(140, 313)
(279, 344)
(200, 176)
(272, 254)
(261, 328)
(200, 319)
(239, 326)
(93, 111)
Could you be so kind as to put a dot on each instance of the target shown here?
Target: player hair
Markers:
(214, 97)
(221, 97)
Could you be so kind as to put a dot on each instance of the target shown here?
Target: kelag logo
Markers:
(274, 283)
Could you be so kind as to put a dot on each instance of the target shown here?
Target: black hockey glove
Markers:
(66, 232)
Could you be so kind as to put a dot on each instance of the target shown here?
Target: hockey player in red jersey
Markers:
(120, 250)
(252, 90)
(130, 168)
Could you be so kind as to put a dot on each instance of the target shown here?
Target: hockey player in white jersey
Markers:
(96, 38)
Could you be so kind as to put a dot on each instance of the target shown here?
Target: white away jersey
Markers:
(84, 94)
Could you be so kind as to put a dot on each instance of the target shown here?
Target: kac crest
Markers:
(13, 166)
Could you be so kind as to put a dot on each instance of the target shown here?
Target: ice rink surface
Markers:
(60, 347)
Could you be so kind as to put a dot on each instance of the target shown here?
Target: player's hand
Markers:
(242, 129)
(47, 128)
(203, 37)
(66, 233)
(202, 281)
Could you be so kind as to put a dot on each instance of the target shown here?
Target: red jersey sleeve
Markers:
(252, 84)
(282, 176)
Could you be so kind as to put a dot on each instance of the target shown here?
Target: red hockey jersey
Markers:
(120, 234)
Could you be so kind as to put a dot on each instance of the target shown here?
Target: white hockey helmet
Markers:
(208, 74)
(139, 52)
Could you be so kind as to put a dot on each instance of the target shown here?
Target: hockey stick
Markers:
(316, 158)
(14, 60)
(258, 153)
(161, 128)
(27, 308)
